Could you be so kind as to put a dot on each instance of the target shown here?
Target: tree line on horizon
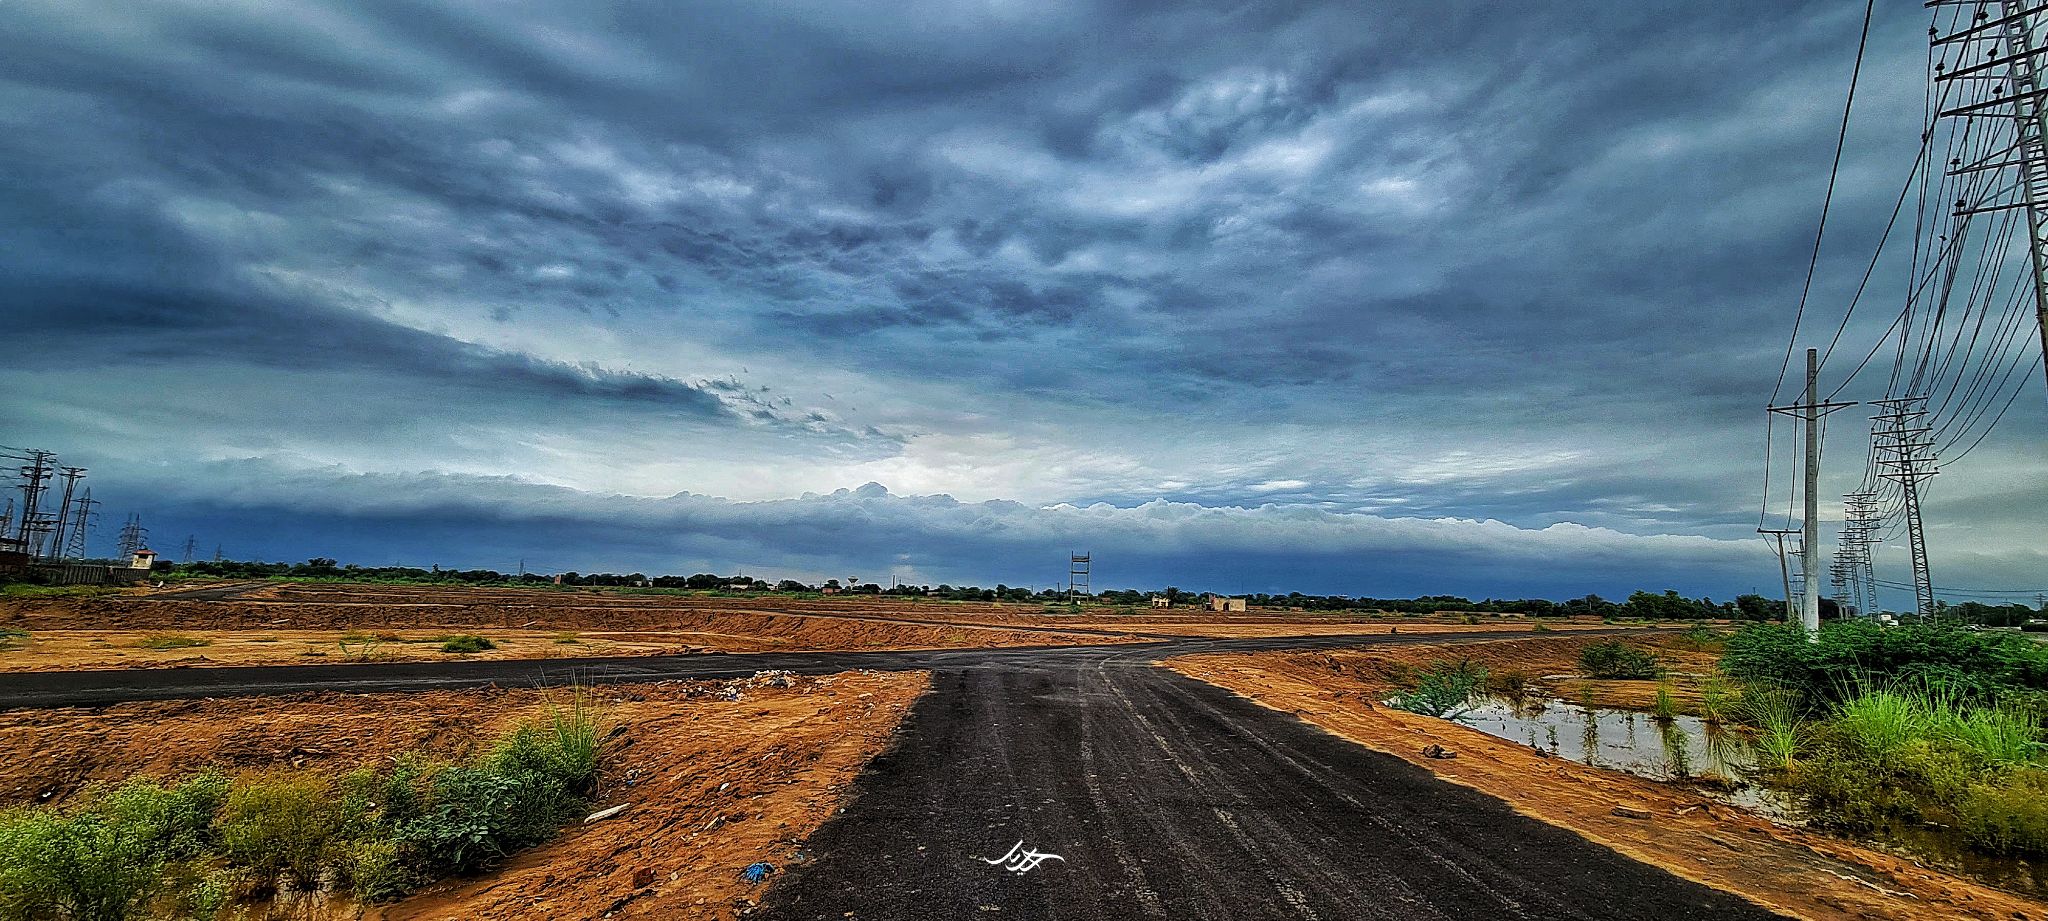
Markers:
(1645, 605)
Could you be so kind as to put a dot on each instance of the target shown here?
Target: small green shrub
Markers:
(1507, 682)
(1541, 627)
(2009, 818)
(106, 857)
(12, 638)
(466, 642)
(1444, 690)
(281, 825)
(1616, 660)
(161, 641)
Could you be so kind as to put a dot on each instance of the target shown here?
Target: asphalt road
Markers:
(109, 686)
(1166, 798)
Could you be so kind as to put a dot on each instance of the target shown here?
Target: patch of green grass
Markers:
(12, 638)
(163, 641)
(567, 639)
(466, 643)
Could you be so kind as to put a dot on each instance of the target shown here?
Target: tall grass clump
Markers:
(1444, 690)
(1881, 723)
(1665, 709)
(1776, 714)
(1715, 699)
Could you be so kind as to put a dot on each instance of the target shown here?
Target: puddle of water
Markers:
(1687, 747)
(1683, 747)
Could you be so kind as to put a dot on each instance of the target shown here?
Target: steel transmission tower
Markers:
(1998, 63)
(63, 518)
(34, 523)
(78, 537)
(1906, 457)
(133, 535)
(1861, 520)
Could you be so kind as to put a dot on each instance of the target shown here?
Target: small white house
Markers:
(144, 559)
(1221, 604)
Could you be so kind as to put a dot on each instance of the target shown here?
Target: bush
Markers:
(281, 825)
(2011, 818)
(1850, 655)
(107, 857)
(1444, 690)
(466, 642)
(1615, 659)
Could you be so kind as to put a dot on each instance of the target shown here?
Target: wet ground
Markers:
(1688, 748)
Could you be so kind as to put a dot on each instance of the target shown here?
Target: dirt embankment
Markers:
(713, 784)
(146, 634)
(1788, 870)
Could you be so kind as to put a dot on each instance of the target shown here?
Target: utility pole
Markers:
(1905, 453)
(1809, 412)
(1998, 65)
(1784, 570)
(1809, 538)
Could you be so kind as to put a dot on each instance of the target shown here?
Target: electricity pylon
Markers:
(1907, 457)
(1996, 63)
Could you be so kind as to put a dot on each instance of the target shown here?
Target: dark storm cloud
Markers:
(1561, 238)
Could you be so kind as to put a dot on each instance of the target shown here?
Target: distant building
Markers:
(145, 559)
(1161, 601)
(1222, 604)
(829, 590)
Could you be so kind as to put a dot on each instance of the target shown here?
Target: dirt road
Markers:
(1167, 798)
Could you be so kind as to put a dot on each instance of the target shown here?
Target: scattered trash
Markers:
(1438, 751)
(603, 814)
(773, 678)
(729, 694)
(756, 872)
(1630, 812)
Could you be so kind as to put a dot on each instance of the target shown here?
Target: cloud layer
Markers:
(1288, 282)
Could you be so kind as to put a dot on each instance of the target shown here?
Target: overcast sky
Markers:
(1374, 298)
